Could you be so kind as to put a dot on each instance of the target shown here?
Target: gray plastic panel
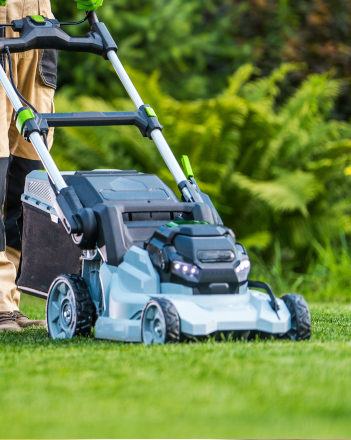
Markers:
(38, 187)
(128, 187)
(136, 186)
(152, 194)
(38, 192)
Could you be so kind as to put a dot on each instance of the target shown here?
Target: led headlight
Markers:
(185, 270)
(244, 265)
(243, 269)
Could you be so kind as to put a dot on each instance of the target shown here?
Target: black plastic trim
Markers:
(69, 205)
(33, 292)
(193, 190)
(107, 40)
(268, 289)
(85, 191)
(138, 118)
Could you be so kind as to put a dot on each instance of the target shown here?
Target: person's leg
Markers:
(7, 268)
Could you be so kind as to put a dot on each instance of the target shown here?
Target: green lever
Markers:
(39, 19)
(150, 112)
(187, 167)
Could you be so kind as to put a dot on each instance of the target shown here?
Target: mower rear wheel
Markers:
(160, 322)
(300, 317)
(70, 310)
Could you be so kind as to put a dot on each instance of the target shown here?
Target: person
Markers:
(35, 75)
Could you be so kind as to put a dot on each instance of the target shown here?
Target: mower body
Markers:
(150, 245)
(130, 286)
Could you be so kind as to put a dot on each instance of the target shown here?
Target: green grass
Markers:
(87, 388)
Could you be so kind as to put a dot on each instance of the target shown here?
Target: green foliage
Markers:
(329, 277)
(196, 45)
(275, 173)
(325, 277)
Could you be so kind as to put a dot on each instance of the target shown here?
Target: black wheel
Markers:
(160, 322)
(300, 317)
(70, 310)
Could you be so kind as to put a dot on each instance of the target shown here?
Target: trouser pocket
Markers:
(48, 57)
(48, 67)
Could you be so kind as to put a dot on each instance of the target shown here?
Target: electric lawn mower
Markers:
(118, 250)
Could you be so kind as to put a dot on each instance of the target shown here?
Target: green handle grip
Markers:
(89, 5)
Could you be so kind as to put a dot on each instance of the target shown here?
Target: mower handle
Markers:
(47, 34)
(37, 32)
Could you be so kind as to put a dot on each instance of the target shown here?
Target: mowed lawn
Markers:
(87, 388)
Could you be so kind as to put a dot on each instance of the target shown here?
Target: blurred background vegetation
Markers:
(256, 92)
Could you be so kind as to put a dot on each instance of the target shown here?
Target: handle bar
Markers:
(40, 33)
(48, 35)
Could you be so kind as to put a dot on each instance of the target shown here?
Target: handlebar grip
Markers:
(54, 39)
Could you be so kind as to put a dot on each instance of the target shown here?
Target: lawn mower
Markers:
(116, 250)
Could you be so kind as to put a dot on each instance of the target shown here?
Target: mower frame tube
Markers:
(48, 161)
(156, 135)
(125, 80)
(35, 138)
(168, 156)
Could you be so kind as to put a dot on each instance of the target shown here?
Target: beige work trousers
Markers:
(32, 85)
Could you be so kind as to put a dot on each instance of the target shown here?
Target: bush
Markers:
(196, 45)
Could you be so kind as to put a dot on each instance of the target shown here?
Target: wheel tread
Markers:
(301, 314)
(84, 304)
(172, 320)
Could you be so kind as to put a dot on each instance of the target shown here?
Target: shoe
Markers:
(8, 323)
(23, 320)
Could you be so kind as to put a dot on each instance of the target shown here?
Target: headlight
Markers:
(244, 265)
(242, 271)
(186, 270)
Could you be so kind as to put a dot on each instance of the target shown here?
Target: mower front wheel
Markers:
(70, 310)
(160, 322)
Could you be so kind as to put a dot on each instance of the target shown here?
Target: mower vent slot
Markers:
(149, 216)
(40, 190)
